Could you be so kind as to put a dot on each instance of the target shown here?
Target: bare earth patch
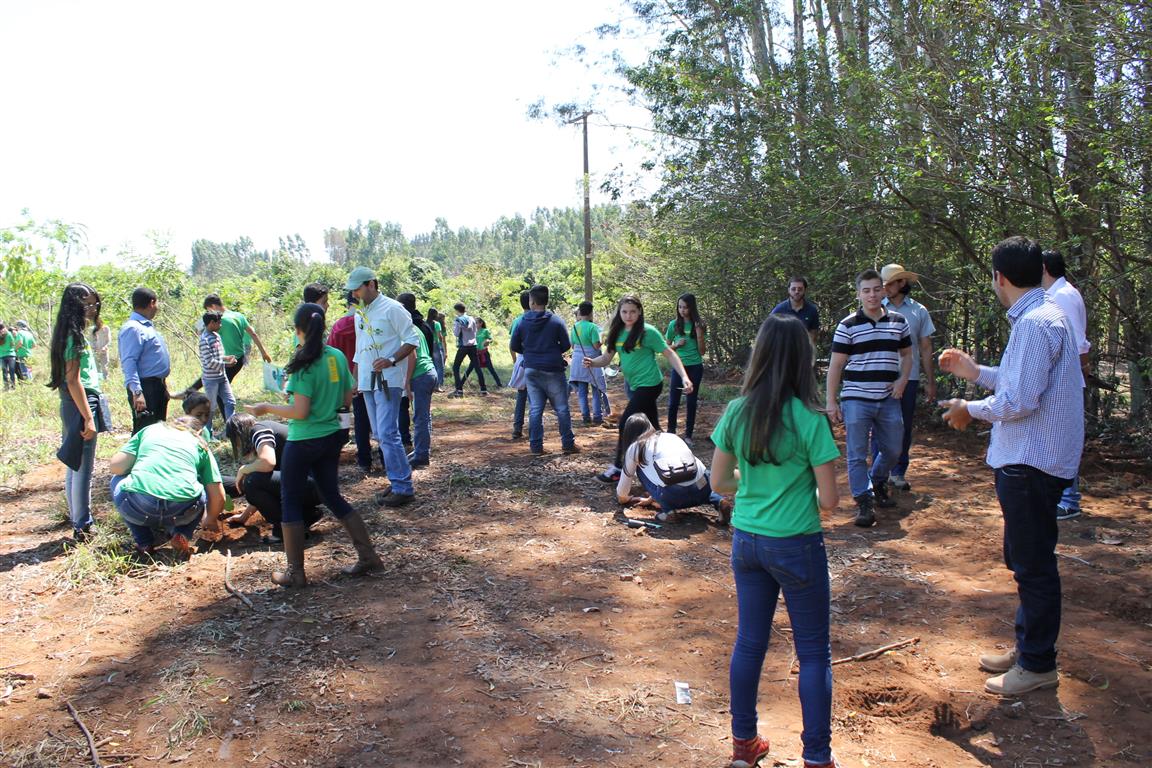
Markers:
(519, 623)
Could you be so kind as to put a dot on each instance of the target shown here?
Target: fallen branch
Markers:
(228, 583)
(87, 734)
(873, 654)
(1077, 559)
(867, 655)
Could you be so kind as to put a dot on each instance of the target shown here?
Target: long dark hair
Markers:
(71, 322)
(780, 369)
(689, 299)
(309, 318)
(238, 430)
(638, 429)
(617, 326)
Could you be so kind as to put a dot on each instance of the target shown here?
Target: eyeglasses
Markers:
(91, 305)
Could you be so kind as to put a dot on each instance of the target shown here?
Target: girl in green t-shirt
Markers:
(320, 386)
(638, 348)
(83, 409)
(483, 354)
(685, 334)
(774, 447)
(8, 343)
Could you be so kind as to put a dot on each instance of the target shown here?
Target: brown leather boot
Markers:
(367, 559)
(293, 575)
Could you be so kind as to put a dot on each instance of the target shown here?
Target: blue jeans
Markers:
(320, 459)
(695, 375)
(863, 419)
(9, 365)
(1028, 499)
(422, 389)
(907, 413)
(518, 412)
(674, 497)
(78, 488)
(762, 566)
(219, 389)
(383, 411)
(599, 407)
(143, 513)
(547, 386)
(1070, 499)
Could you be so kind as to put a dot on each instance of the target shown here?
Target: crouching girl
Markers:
(668, 470)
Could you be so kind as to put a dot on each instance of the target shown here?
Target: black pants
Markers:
(404, 422)
(643, 400)
(363, 429)
(230, 372)
(485, 361)
(262, 490)
(695, 375)
(1028, 499)
(470, 353)
(155, 403)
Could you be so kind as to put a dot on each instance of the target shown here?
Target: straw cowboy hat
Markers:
(897, 272)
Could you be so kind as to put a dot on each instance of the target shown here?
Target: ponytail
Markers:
(309, 319)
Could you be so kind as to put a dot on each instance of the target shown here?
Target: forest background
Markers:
(813, 137)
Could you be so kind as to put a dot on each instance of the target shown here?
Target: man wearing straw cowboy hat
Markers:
(898, 284)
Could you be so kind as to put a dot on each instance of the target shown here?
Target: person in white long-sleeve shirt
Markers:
(1056, 285)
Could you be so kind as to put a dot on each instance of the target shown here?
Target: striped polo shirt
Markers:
(873, 350)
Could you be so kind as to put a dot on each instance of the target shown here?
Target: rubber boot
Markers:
(366, 557)
(293, 575)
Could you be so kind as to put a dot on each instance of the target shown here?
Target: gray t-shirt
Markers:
(919, 326)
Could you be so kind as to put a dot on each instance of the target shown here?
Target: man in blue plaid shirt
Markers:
(1037, 414)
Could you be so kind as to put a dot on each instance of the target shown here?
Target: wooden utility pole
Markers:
(587, 212)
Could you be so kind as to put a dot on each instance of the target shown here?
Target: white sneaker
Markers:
(899, 483)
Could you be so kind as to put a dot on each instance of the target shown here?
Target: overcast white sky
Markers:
(220, 119)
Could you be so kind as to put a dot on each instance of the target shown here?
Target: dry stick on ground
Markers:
(866, 656)
(87, 734)
(228, 582)
(869, 655)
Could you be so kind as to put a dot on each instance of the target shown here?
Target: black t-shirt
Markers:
(270, 432)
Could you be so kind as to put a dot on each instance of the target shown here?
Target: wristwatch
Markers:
(392, 359)
(138, 393)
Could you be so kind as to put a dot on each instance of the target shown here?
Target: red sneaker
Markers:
(747, 753)
(180, 544)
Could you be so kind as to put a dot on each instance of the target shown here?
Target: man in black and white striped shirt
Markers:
(872, 355)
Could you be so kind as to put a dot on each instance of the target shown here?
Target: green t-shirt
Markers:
(483, 338)
(585, 334)
(639, 366)
(423, 358)
(325, 381)
(690, 352)
(779, 500)
(437, 334)
(170, 463)
(233, 329)
(29, 341)
(89, 373)
(8, 344)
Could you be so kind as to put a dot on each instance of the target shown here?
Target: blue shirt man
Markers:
(145, 361)
(796, 304)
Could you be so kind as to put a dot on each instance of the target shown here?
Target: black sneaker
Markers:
(399, 499)
(517, 435)
(609, 475)
(865, 514)
(883, 500)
